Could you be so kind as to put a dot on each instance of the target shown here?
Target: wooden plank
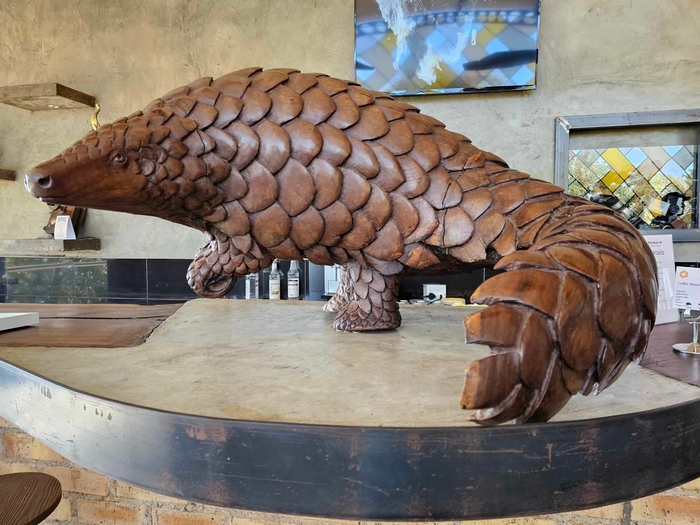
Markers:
(82, 333)
(8, 175)
(661, 358)
(48, 245)
(94, 311)
(28, 498)
(49, 96)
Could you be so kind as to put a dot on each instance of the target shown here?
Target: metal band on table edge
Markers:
(370, 473)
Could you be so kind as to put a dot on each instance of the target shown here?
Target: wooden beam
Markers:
(38, 97)
(8, 175)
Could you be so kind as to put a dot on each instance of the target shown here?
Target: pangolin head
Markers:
(136, 164)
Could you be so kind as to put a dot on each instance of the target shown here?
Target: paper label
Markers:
(63, 228)
(662, 248)
(293, 289)
(688, 288)
(275, 289)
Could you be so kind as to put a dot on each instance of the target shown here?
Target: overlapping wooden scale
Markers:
(335, 147)
(532, 287)
(318, 106)
(286, 105)
(270, 226)
(337, 221)
(362, 159)
(372, 124)
(398, 139)
(426, 153)
(390, 174)
(268, 79)
(256, 104)
(378, 207)
(307, 228)
(306, 140)
(328, 181)
(296, 188)
(361, 234)
(233, 84)
(579, 336)
(346, 113)
(427, 220)
(389, 243)
(247, 144)
(262, 188)
(417, 180)
(275, 145)
(356, 190)
(301, 82)
(229, 108)
(617, 298)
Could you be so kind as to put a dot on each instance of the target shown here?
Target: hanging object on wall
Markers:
(414, 47)
(43, 97)
(281, 164)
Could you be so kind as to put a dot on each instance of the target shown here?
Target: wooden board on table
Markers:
(86, 325)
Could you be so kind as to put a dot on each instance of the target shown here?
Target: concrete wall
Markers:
(596, 56)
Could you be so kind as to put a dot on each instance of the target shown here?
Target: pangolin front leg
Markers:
(566, 317)
(373, 303)
(343, 295)
(218, 264)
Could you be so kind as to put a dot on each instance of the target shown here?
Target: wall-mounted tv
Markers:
(415, 47)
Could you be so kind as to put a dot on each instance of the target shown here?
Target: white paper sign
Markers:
(688, 288)
(63, 228)
(662, 248)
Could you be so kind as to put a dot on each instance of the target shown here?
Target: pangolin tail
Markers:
(563, 319)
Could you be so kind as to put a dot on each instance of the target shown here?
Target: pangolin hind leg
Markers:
(218, 264)
(565, 317)
(373, 303)
(342, 296)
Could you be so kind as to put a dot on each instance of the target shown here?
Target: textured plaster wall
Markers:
(596, 56)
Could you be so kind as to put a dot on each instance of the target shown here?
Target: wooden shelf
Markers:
(48, 246)
(39, 97)
(8, 175)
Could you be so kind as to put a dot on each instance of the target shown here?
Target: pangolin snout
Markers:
(37, 182)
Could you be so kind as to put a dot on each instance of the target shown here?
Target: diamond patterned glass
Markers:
(655, 183)
(444, 46)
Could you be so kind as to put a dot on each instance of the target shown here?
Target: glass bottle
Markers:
(251, 286)
(275, 279)
(293, 280)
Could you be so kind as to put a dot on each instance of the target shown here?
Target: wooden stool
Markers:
(28, 498)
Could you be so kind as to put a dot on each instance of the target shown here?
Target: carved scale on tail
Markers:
(285, 164)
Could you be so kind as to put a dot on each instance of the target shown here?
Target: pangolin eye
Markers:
(119, 158)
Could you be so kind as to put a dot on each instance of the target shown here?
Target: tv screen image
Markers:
(414, 47)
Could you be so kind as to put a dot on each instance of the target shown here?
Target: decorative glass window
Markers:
(655, 183)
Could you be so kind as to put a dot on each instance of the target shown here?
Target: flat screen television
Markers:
(416, 47)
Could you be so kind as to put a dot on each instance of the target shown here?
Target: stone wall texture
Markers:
(596, 56)
(92, 499)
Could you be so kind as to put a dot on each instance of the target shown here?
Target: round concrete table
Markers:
(263, 406)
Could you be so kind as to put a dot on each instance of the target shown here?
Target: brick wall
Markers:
(93, 499)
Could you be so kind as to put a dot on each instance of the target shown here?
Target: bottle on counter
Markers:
(293, 280)
(275, 283)
(251, 286)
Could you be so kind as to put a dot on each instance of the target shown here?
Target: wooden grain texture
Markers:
(661, 358)
(86, 326)
(93, 311)
(28, 498)
(279, 164)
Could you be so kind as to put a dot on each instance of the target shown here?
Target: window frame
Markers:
(564, 126)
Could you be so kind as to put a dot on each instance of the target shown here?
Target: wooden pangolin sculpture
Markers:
(279, 163)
